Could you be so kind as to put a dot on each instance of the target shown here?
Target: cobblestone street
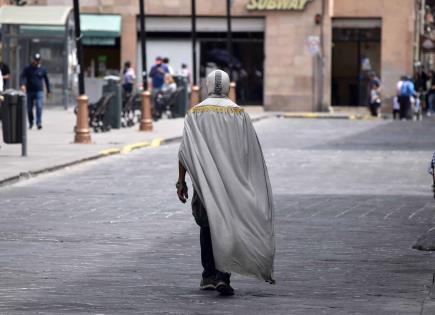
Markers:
(111, 237)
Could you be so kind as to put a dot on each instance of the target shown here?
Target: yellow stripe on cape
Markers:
(217, 109)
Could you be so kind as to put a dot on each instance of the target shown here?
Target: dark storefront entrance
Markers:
(356, 51)
(247, 64)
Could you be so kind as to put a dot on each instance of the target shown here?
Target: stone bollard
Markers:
(82, 134)
(194, 97)
(232, 95)
(146, 121)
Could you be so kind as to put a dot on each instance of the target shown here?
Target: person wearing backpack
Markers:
(406, 92)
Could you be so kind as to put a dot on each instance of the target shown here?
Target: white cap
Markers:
(218, 84)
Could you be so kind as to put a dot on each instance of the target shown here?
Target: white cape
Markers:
(221, 152)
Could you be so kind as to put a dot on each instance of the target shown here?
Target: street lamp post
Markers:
(194, 97)
(230, 52)
(146, 122)
(82, 134)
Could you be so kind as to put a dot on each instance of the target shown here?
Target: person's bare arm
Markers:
(181, 183)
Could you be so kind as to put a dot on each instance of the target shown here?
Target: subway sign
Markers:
(291, 5)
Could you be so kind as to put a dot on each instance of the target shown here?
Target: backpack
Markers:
(405, 89)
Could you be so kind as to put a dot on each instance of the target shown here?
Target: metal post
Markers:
(229, 37)
(24, 125)
(65, 69)
(195, 82)
(142, 44)
(146, 121)
(82, 134)
(232, 95)
(194, 97)
(79, 47)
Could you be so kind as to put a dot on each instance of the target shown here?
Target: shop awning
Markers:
(100, 25)
(35, 15)
(97, 29)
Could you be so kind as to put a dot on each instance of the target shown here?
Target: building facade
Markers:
(292, 55)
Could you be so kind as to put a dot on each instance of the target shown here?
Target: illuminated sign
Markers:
(296, 5)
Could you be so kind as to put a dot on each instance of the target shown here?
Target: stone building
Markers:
(278, 45)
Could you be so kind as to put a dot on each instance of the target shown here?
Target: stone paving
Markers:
(53, 145)
(110, 237)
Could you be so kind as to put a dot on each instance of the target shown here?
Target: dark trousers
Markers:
(37, 99)
(396, 113)
(207, 258)
(374, 108)
(405, 107)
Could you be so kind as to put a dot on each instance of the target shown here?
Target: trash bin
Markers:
(182, 101)
(12, 116)
(112, 116)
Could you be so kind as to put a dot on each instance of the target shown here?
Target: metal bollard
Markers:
(24, 125)
(232, 95)
(146, 121)
(194, 96)
(82, 134)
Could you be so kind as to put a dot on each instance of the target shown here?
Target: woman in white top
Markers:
(164, 95)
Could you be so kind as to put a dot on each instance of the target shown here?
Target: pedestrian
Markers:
(128, 78)
(184, 72)
(375, 99)
(431, 94)
(406, 92)
(168, 65)
(373, 79)
(396, 107)
(232, 197)
(157, 75)
(32, 82)
(169, 87)
(4, 68)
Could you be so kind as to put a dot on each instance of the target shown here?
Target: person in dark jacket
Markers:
(4, 68)
(32, 82)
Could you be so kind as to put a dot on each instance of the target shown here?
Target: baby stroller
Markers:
(128, 117)
(165, 103)
(97, 112)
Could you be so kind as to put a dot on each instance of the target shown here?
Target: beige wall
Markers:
(397, 37)
(288, 64)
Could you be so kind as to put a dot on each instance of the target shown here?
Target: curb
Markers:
(105, 153)
(328, 116)
(30, 174)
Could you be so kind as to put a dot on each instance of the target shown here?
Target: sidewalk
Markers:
(52, 147)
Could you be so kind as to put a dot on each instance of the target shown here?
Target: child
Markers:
(396, 108)
(375, 99)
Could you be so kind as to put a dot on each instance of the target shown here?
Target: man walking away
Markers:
(168, 65)
(157, 75)
(405, 94)
(232, 198)
(32, 82)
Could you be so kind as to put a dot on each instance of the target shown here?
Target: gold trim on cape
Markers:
(217, 109)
